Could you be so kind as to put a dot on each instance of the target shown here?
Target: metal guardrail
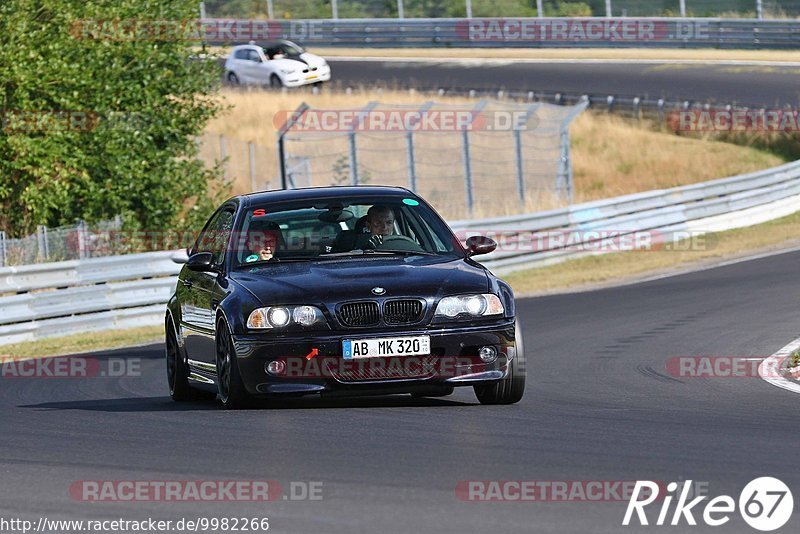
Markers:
(668, 214)
(123, 291)
(515, 32)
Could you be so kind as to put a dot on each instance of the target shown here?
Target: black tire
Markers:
(177, 372)
(229, 382)
(275, 81)
(233, 79)
(510, 389)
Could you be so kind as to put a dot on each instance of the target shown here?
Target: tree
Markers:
(99, 120)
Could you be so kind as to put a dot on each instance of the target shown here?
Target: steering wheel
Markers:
(399, 242)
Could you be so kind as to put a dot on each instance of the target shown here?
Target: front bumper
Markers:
(322, 74)
(314, 364)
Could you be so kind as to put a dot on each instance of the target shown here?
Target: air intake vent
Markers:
(359, 314)
(402, 311)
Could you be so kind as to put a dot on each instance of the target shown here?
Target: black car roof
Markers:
(310, 193)
(271, 44)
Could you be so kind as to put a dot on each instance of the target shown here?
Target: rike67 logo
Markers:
(765, 504)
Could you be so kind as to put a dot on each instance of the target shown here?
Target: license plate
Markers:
(386, 347)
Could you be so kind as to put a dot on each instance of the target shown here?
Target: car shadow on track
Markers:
(165, 404)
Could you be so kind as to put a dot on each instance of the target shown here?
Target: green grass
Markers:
(82, 343)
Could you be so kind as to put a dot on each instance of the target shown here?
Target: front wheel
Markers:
(177, 373)
(233, 79)
(510, 389)
(229, 381)
(275, 81)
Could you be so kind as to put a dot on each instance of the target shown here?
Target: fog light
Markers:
(488, 354)
(276, 367)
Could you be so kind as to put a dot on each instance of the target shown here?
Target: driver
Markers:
(380, 223)
(262, 245)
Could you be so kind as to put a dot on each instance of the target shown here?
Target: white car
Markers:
(277, 64)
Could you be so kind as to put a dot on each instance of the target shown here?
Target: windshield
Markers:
(320, 229)
(284, 49)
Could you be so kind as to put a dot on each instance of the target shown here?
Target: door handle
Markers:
(187, 282)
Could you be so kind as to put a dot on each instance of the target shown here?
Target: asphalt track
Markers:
(753, 85)
(600, 406)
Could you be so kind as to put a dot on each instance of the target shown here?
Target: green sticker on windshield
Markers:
(410, 202)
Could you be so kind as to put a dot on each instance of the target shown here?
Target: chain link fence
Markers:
(324, 9)
(482, 160)
(75, 242)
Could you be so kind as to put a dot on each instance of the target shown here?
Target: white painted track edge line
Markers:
(769, 370)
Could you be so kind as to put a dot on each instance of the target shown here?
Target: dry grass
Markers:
(611, 268)
(612, 156)
(82, 343)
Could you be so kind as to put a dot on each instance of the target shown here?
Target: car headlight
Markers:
(288, 71)
(470, 306)
(281, 316)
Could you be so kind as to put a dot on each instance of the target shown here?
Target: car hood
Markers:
(312, 60)
(354, 278)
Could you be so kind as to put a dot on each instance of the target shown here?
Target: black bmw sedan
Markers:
(339, 291)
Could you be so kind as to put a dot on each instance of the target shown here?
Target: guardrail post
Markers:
(412, 164)
(293, 118)
(270, 10)
(400, 11)
(564, 179)
(353, 159)
(518, 150)
(251, 148)
(539, 8)
(41, 240)
(82, 245)
(467, 171)
(469, 8)
(518, 162)
(759, 9)
(683, 8)
(334, 9)
(608, 8)
(3, 254)
(467, 157)
(412, 160)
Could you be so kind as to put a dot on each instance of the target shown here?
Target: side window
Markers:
(253, 56)
(216, 235)
(241, 54)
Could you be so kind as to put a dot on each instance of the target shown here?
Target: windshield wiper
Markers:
(401, 252)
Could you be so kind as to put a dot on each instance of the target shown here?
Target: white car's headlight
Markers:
(280, 316)
(470, 306)
(288, 71)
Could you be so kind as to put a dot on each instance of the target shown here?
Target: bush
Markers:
(133, 108)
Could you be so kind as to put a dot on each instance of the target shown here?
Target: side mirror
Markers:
(202, 262)
(180, 256)
(478, 245)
